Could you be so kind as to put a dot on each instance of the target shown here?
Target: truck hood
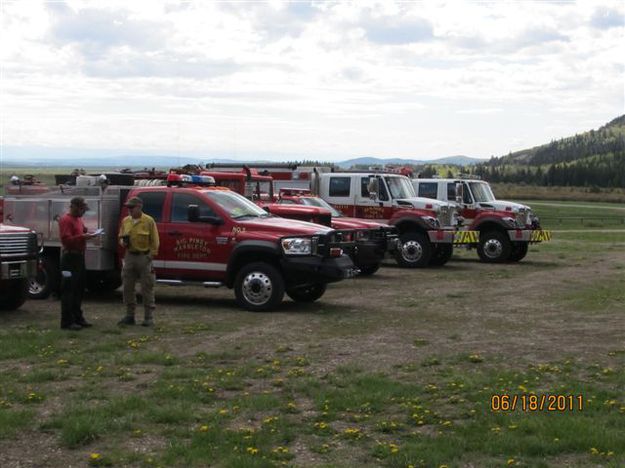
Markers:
(503, 205)
(344, 222)
(275, 227)
(424, 203)
(9, 229)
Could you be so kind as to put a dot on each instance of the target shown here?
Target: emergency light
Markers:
(191, 179)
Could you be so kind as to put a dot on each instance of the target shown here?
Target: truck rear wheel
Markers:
(494, 247)
(308, 293)
(259, 287)
(47, 279)
(519, 251)
(415, 250)
(442, 254)
(13, 294)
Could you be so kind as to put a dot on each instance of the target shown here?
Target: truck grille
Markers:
(446, 216)
(16, 245)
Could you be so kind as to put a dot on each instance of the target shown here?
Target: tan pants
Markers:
(138, 267)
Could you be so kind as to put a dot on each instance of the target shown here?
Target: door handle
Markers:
(174, 233)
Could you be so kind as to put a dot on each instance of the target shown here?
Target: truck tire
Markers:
(308, 293)
(368, 270)
(442, 254)
(14, 294)
(519, 251)
(415, 250)
(259, 287)
(494, 247)
(47, 279)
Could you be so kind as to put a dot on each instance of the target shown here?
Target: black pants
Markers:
(72, 288)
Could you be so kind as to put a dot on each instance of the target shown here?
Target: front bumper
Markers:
(18, 269)
(314, 269)
(453, 237)
(529, 235)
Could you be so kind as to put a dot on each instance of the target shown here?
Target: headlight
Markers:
(510, 221)
(297, 246)
(431, 221)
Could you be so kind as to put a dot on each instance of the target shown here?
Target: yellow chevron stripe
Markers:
(540, 236)
(466, 237)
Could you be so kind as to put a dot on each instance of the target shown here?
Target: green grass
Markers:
(395, 371)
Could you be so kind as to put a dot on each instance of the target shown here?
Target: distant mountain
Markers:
(371, 161)
(591, 159)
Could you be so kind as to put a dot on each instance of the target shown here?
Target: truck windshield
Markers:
(314, 201)
(482, 192)
(400, 187)
(236, 205)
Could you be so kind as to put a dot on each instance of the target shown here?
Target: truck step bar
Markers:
(206, 284)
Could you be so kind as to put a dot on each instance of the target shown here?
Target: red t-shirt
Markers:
(72, 232)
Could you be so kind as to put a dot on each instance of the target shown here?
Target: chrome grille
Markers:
(445, 216)
(14, 245)
(523, 217)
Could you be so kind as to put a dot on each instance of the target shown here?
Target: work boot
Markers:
(148, 322)
(127, 320)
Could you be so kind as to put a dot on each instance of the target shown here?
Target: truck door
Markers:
(191, 250)
(372, 208)
(470, 209)
(338, 191)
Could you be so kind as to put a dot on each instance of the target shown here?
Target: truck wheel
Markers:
(46, 281)
(494, 247)
(308, 293)
(415, 250)
(368, 270)
(14, 294)
(519, 251)
(259, 287)
(442, 254)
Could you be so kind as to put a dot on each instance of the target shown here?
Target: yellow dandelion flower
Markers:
(594, 451)
(252, 450)
(95, 456)
(204, 428)
(510, 461)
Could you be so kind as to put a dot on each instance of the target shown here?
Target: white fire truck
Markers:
(505, 228)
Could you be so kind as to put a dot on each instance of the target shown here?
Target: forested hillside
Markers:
(595, 158)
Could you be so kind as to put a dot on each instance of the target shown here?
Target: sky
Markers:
(327, 80)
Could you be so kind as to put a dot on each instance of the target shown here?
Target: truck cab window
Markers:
(467, 198)
(428, 189)
(339, 186)
(181, 204)
(153, 203)
(451, 191)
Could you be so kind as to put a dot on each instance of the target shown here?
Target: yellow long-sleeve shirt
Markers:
(143, 234)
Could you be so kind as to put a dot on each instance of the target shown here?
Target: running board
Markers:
(206, 284)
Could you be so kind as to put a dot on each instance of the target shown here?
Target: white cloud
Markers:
(316, 79)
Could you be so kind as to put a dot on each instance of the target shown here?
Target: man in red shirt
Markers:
(74, 236)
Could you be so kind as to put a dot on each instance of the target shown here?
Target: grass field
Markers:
(400, 369)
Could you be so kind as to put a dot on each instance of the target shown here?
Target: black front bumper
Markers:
(315, 269)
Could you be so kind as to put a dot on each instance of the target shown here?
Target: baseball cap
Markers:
(134, 201)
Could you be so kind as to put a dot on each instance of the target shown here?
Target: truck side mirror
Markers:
(459, 193)
(193, 213)
(373, 187)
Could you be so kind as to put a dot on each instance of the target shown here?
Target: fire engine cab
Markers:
(505, 228)
(210, 236)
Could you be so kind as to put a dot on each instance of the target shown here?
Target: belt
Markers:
(138, 252)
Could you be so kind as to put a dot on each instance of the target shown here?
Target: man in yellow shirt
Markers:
(138, 234)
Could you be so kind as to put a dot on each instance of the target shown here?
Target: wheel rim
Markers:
(36, 285)
(257, 288)
(411, 251)
(493, 248)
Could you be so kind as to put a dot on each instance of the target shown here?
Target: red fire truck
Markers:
(210, 236)
(372, 240)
